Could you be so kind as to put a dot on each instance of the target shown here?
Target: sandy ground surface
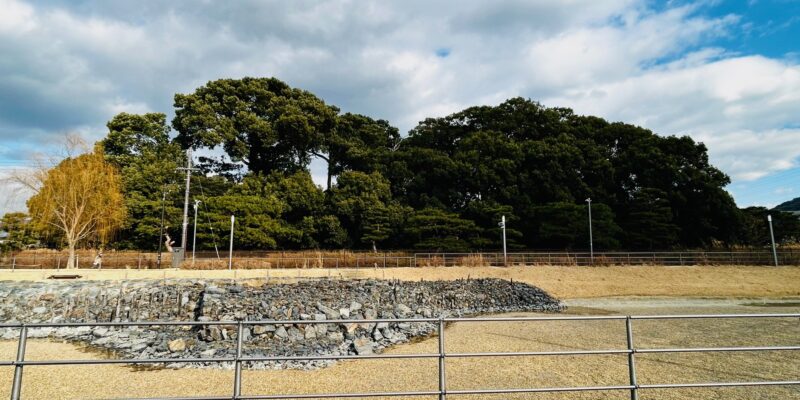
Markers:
(59, 382)
(562, 282)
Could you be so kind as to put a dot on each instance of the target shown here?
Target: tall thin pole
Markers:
(631, 360)
(194, 235)
(505, 253)
(591, 239)
(186, 198)
(772, 236)
(161, 234)
(230, 250)
(16, 386)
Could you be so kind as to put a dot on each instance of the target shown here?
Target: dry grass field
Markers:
(591, 287)
(59, 382)
(562, 282)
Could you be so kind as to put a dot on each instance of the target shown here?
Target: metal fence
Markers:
(262, 260)
(566, 258)
(443, 391)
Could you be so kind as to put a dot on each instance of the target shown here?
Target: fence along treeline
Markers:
(443, 187)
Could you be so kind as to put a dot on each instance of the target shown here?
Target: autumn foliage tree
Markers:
(80, 198)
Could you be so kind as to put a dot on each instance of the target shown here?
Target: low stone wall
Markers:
(198, 300)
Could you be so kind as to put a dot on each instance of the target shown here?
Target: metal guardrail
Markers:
(633, 386)
(259, 260)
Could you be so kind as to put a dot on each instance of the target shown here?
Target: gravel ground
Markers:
(83, 382)
(561, 282)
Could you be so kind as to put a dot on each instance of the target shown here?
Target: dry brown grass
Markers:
(206, 260)
(82, 382)
(562, 282)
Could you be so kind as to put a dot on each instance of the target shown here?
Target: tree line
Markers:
(443, 187)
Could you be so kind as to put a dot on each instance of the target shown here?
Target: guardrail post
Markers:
(631, 360)
(16, 387)
(237, 371)
(442, 377)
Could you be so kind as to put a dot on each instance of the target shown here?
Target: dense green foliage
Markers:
(443, 187)
(755, 229)
(20, 232)
(791, 205)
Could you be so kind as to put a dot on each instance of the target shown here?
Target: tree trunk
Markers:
(71, 256)
(330, 173)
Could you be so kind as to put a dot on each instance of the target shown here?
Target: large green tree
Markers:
(358, 143)
(261, 122)
(438, 230)
(523, 155)
(535, 165)
(139, 145)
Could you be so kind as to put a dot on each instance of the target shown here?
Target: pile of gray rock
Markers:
(335, 307)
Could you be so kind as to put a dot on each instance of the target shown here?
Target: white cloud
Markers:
(14, 195)
(68, 67)
(738, 106)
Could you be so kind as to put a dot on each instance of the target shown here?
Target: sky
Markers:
(726, 73)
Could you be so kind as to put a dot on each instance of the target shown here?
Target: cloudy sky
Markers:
(726, 73)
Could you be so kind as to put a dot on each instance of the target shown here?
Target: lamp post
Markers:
(161, 233)
(230, 250)
(591, 240)
(194, 235)
(772, 236)
(505, 254)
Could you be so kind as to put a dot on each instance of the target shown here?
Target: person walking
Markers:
(98, 260)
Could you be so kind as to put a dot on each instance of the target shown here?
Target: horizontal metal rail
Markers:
(341, 395)
(542, 390)
(261, 260)
(718, 349)
(717, 384)
(20, 363)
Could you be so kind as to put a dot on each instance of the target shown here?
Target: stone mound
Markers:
(208, 300)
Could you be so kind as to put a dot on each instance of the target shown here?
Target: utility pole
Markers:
(194, 235)
(772, 236)
(503, 226)
(177, 256)
(591, 240)
(161, 234)
(186, 197)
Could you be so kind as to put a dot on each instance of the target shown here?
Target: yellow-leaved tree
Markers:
(80, 198)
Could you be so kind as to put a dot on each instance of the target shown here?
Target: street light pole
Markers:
(772, 236)
(161, 234)
(591, 240)
(230, 251)
(194, 235)
(505, 254)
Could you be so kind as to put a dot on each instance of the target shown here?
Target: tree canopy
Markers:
(444, 186)
(791, 205)
(79, 199)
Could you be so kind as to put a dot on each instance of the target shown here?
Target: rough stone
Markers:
(362, 346)
(402, 310)
(177, 345)
(324, 300)
(281, 333)
(263, 329)
(330, 313)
